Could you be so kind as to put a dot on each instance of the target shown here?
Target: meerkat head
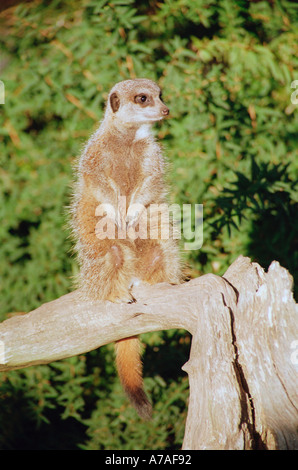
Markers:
(136, 102)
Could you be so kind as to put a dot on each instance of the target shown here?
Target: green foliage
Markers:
(226, 70)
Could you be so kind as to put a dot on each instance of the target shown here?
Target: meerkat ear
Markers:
(115, 102)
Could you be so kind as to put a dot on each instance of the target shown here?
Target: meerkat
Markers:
(122, 159)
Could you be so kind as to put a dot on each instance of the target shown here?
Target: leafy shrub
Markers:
(226, 70)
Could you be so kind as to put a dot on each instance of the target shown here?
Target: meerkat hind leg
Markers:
(155, 264)
(108, 277)
(120, 284)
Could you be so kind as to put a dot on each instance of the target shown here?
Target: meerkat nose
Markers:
(165, 111)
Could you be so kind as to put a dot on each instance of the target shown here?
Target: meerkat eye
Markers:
(140, 99)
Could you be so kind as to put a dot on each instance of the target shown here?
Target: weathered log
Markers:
(243, 374)
(242, 367)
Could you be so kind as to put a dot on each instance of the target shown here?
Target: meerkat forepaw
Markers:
(131, 220)
(120, 221)
(134, 215)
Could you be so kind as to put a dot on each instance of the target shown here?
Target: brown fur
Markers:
(122, 158)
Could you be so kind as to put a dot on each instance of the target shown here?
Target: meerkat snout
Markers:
(165, 111)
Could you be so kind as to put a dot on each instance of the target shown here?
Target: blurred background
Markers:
(226, 69)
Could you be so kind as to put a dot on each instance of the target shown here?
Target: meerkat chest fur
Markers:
(130, 161)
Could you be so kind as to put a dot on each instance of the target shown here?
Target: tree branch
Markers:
(69, 326)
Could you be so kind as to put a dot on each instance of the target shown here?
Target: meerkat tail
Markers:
(129, 366)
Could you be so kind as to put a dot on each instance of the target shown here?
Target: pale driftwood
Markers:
(242, 367)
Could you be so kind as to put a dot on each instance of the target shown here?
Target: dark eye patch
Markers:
(142, 99)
